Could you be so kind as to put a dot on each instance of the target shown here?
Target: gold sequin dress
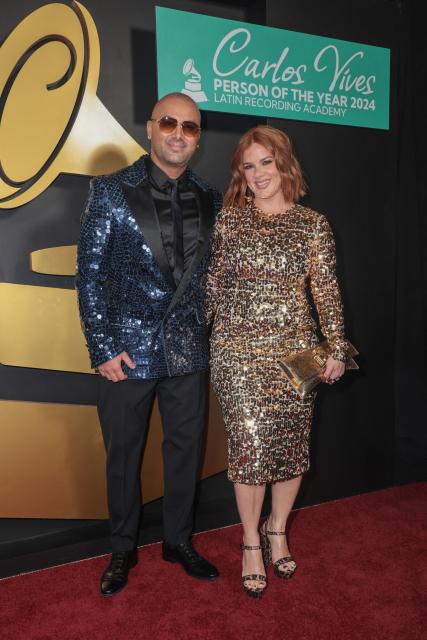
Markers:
(257, 299)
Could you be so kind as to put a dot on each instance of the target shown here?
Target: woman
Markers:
(266, 250)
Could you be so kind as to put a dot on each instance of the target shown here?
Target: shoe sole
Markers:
(111, 595)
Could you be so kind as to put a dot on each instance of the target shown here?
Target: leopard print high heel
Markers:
(252, 591)
(287, 562)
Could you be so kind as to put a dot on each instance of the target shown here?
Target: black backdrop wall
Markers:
(369, 431)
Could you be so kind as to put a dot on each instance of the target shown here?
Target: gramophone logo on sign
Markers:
(252, 69)
(193, 87)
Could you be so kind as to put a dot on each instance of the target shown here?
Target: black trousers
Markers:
(124, 410)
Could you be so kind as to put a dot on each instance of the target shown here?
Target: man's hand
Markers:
(112, 369)
(334, 369)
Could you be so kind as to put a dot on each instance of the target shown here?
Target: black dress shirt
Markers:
(160, 185)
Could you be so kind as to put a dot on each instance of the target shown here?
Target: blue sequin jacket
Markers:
(127, 297)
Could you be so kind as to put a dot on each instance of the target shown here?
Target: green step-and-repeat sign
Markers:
(237, 67)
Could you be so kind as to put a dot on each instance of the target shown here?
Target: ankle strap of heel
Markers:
(246, 547)
(275, 533)
(271, 533)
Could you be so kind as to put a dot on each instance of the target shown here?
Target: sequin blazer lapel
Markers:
(138, 197)
(142, 206)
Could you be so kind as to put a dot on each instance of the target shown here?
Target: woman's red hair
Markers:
(280, 146)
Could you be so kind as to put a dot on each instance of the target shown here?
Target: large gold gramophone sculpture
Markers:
(51, 122)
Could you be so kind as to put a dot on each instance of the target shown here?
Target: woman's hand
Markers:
(334, 369)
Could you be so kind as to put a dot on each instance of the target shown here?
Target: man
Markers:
(142, 258)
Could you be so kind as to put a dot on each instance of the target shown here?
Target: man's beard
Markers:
(175, 156)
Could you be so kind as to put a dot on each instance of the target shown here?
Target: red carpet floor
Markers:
(362, 575)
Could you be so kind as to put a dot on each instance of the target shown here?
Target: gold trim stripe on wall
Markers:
(52, 460)
(40, 328)
(55, 261)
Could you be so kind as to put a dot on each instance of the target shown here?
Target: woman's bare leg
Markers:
(249, 500)
(283, 496)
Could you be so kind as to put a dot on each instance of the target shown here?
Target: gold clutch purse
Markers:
(303, 369)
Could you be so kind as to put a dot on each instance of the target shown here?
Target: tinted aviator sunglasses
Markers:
(168, 124)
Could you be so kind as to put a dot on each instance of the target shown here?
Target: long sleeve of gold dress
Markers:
(260, 270)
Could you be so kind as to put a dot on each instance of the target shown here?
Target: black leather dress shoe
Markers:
(190, 560)
(115, 577)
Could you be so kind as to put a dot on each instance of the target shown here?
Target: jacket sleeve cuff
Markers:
(339, 349)
(104, 352)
